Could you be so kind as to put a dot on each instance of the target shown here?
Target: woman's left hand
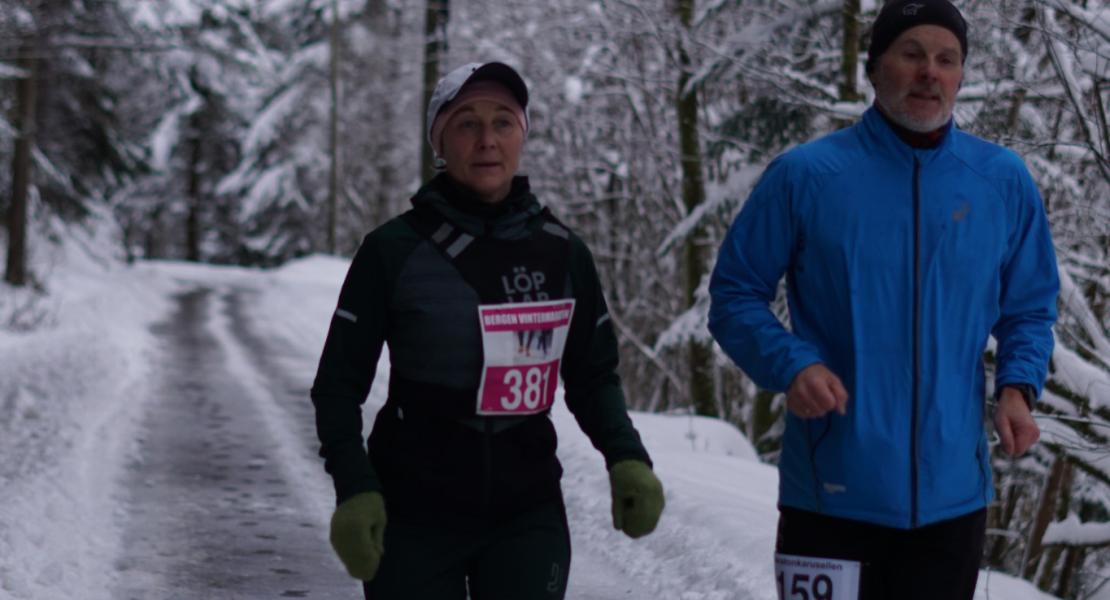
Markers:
(637, 497)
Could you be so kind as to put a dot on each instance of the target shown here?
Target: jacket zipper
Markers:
(916, 378)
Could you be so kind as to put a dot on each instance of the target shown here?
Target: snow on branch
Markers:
(9, 72)
(721, 194)
(692, 325)
(835, 108)
(1100, 24)
(274, 186)
(7, 132)
(1083, 439)
(167, 133)
(105, 43)
(758, 36)
(1062, 63)
(1073, 532)
(1054, 172)
(1081, 377)
(1077, 305)
(53, 172)
(647, 351)
(265, 59)
(266, 126)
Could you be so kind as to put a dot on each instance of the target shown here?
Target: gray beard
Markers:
(911, 123)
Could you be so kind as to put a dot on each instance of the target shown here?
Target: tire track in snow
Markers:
(216, 505)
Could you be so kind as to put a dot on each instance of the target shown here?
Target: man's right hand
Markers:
(815, 392)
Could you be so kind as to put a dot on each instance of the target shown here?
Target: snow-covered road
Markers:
(158, 443)
(212, 511)
(225, 498)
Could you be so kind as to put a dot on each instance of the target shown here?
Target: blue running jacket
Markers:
(899, 264)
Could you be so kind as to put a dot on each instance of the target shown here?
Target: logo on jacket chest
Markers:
(523, 285)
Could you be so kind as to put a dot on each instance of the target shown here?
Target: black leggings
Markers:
(939, 560)
(524, 558)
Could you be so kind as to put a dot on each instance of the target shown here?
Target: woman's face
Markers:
(481, 146)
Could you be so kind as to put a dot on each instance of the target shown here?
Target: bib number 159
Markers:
(804, 587)
(811, 578)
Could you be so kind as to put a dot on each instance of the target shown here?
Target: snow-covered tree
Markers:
(67, 145)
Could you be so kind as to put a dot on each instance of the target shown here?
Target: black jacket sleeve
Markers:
(593, 387)
(346, 371)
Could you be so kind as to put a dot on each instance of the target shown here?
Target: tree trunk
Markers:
(693, 194)
(1014, 116)
(1044, 516)
(192, 219)
(24, 123)
(763, 418)
(1052, 554)
(849, 58)
(435, 51)
(850, 52)
(1002, 521)
(1073, 559)
(333, 131)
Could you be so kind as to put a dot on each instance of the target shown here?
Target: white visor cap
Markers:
(453, 83)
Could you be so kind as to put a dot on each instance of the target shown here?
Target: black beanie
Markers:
(897, 16)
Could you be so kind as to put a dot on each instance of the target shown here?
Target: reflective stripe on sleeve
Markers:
(350, 316)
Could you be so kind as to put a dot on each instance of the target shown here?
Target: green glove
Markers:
(637, 497)
(358, 533)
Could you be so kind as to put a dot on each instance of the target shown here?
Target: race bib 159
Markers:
(812, 578)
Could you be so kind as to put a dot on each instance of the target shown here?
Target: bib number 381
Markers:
(522, 345)
(811, 578)
(526, 387)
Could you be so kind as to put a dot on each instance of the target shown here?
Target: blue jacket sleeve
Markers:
(753, 258)
(1030, 285)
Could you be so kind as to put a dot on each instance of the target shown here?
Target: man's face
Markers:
(917, 78)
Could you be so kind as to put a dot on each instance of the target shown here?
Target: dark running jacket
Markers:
(415, 284)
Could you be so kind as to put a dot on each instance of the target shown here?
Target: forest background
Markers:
(251, 132)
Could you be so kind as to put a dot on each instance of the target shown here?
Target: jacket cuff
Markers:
(641, 455)
(1028, 393)
(799, 363)
(355, 483)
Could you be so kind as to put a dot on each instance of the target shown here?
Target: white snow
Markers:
(1081, 377)
(72, 392)
(573, 88)
(1073, 531)
(166, 135)
(11, 72)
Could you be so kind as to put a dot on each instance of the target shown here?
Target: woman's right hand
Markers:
(358, 534)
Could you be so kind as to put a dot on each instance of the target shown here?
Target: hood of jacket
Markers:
(509, 219)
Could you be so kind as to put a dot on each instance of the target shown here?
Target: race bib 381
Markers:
(523, 347)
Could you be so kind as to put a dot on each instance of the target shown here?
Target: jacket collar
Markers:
(459, 206)
(880, 131)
